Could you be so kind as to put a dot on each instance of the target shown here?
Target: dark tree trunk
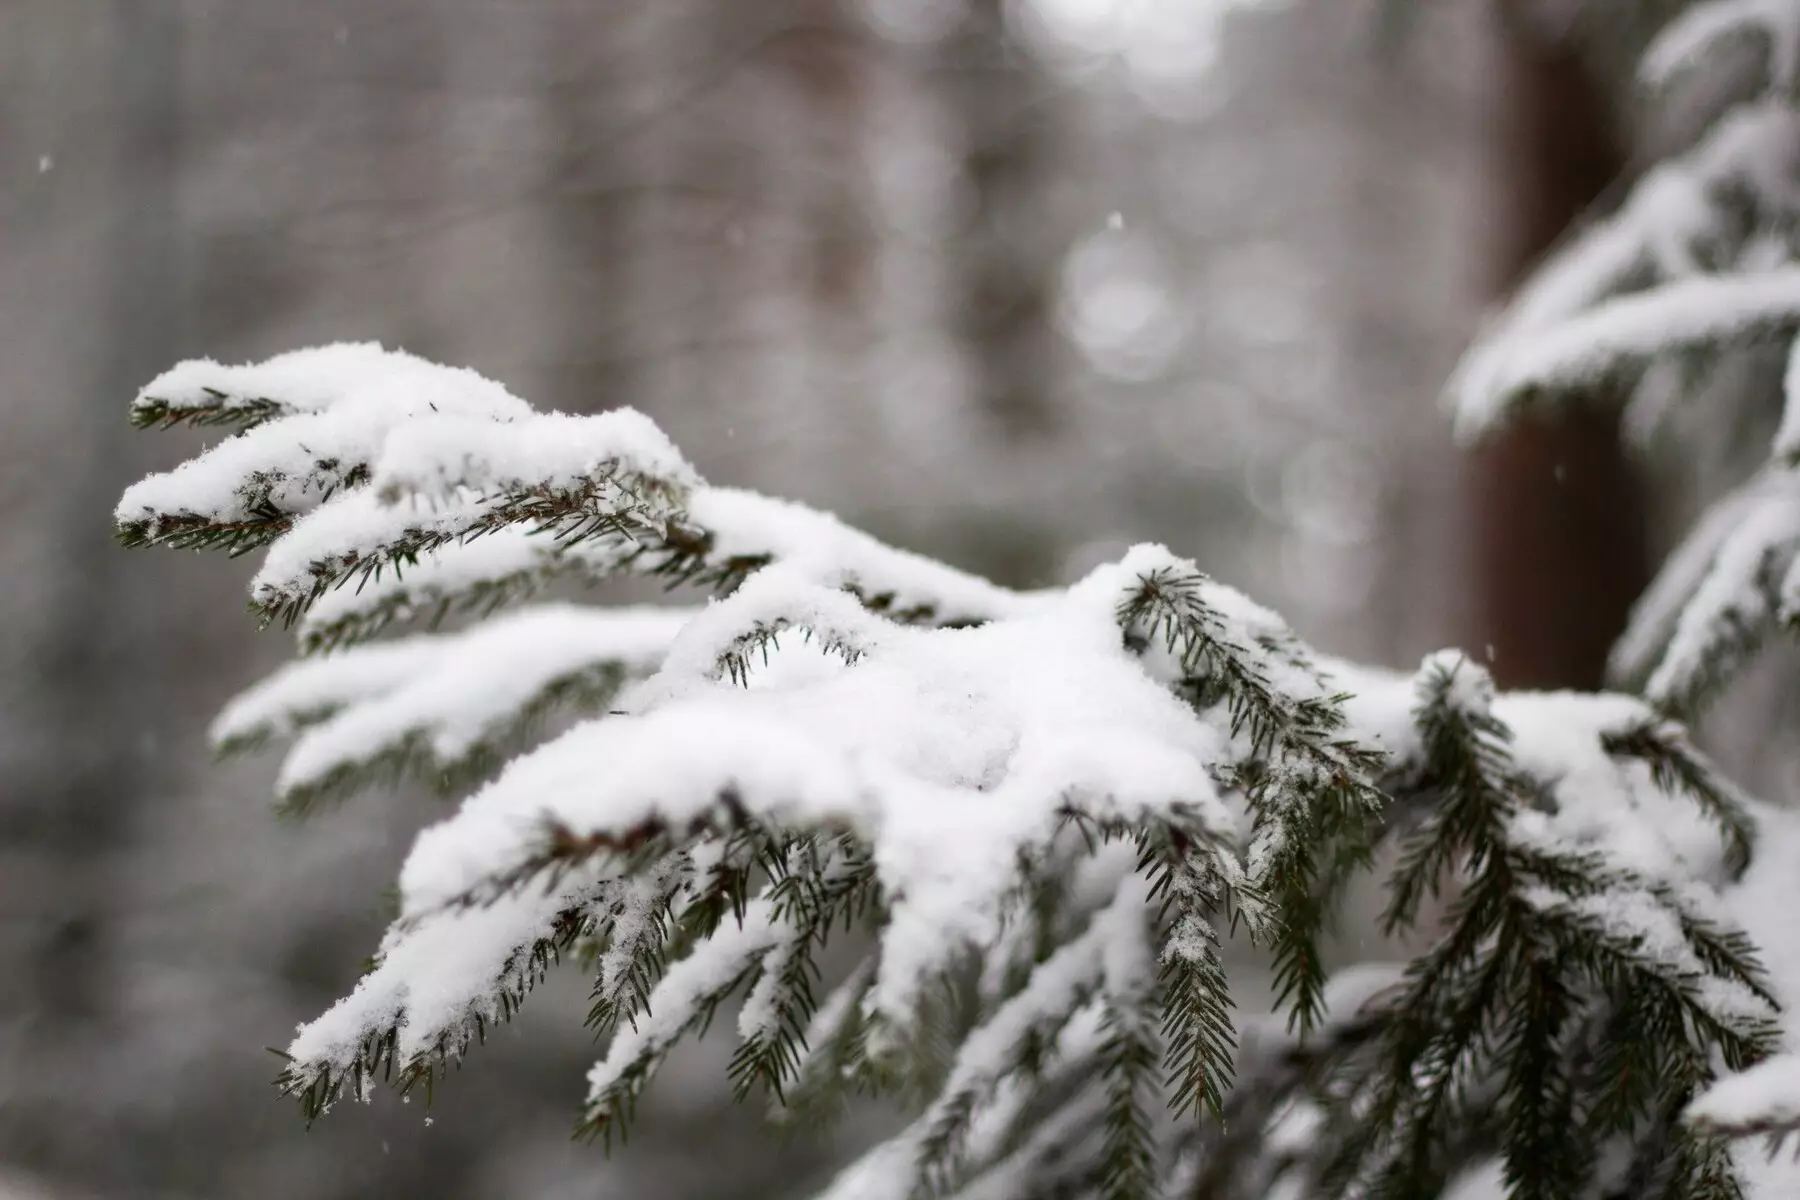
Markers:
(1559, 546)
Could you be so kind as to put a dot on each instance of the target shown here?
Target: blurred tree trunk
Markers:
(1009, 280)
(592, 216)
(95, 661)
(1559, 546)
(824, 62)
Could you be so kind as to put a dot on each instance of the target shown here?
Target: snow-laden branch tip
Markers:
(1667, 232)
(317, 380)
(1762, 1100)
(1685, 41)
(1615, 334)
(441, 705)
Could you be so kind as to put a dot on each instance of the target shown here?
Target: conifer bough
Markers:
(1032, 818)
(1029, 824)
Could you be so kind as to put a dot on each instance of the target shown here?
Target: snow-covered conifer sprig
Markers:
(1686, 40)
(324, 416)
(214, 408)
(1678, 769)
(362, 471)
(444, 709)
(722, 538)
(436, 988)
(358, 536)
(1757, 1103)
(1293, 1097)
(665, 938)
(1311, 787)
(1545, 939)
(1733, 608)
(471, 579)
(421, 487)
(819, 883)
(1670, 271)
(1698, 260)
(930, 1153)
(1619, 336)
(1717, 598)
(203, 392)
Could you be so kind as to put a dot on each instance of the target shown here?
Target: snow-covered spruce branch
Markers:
(445, 709)
(1694, 33)
(1675, 268)
(366, 468)
(1289, 1087)
(1699, 259)
(1037, 812)
(1547, 941)
(1310, 787)
(1624, 333)
(435, 491)
(1570, 837)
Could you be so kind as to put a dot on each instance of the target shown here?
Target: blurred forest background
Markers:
(1015, 282)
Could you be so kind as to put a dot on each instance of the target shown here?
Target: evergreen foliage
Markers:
(1694, 268)
(1034, 818)
(1694, 273)
(905, 833)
